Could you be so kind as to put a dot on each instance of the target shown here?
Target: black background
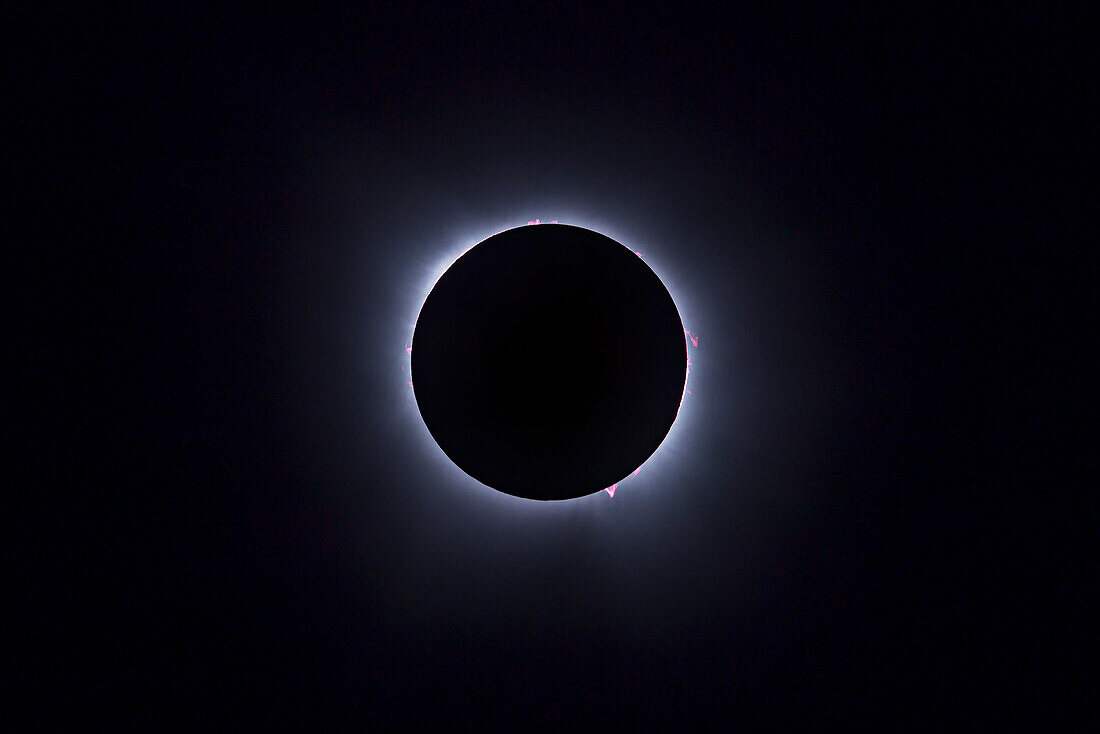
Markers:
(235, 516)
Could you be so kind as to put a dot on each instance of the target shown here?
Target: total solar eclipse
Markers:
(549, 362)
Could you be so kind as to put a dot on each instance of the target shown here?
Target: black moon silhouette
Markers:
(549, 362)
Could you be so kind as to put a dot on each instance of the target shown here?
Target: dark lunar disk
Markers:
(549, 362)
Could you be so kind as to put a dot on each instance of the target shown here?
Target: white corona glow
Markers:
(673, 448)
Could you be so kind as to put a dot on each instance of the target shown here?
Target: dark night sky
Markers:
(235, 216)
